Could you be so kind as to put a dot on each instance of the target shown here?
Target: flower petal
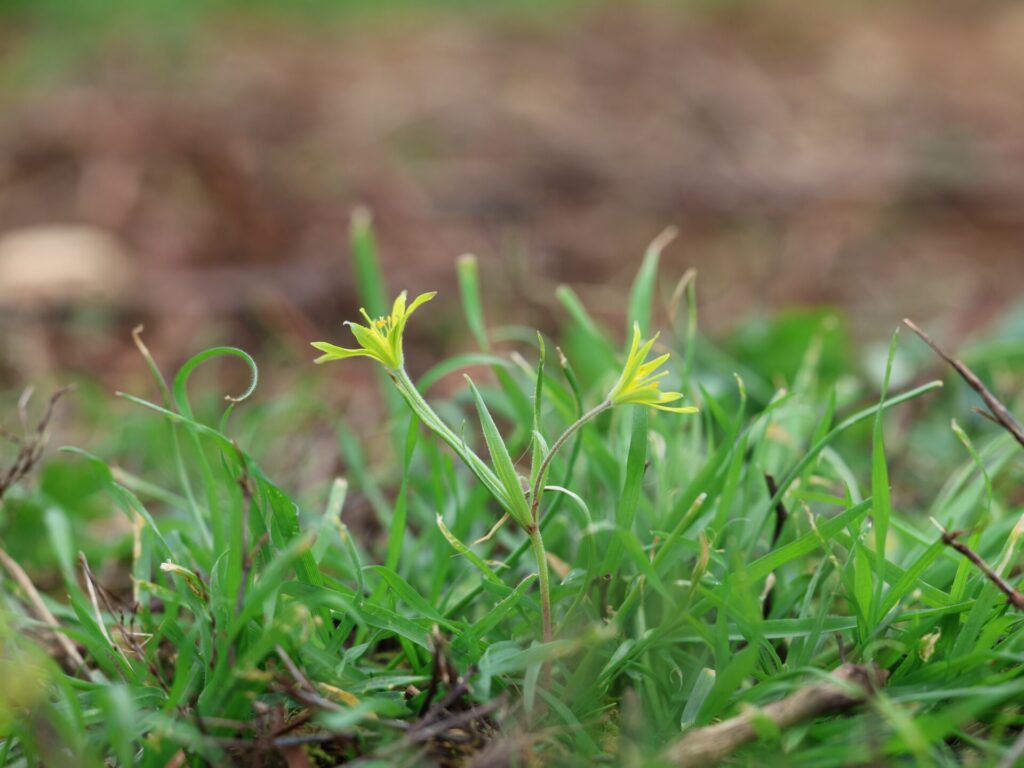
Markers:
(649, 367)
(640, 381)
(332, 352)
(675, 408)
(398, 312)
(423, 298)
(381, 337)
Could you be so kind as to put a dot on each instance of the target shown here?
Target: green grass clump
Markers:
(659, 571)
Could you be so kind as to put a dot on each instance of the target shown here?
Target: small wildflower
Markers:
(638, 384)
(380, 338)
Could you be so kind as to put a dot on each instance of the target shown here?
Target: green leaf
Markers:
(806, 543)
(641, 295)
(411, 597)
(838, 430)
(472, 305)
(497, 614)
(882, 506)
(369, 277)
(396, 533)
(466, 552)
(514, 501)
(629, 499)
(728, 681)
(698, 695)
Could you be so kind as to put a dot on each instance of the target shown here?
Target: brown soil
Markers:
(868, 156)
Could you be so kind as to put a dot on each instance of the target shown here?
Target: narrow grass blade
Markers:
(466, 552)
(514, 501)
(641, 295)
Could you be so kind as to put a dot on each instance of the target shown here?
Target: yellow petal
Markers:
(423, 298)
(675, 408)
(331, 352)
(374, 343)
(398, 308)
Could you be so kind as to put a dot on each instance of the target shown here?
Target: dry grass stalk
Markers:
(851, 684)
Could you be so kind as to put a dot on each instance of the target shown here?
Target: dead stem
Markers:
(851, 684)
(44, 613)
(952, 539)
(30, 447)
(999, 413)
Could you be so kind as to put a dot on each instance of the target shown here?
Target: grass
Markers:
(697, 566)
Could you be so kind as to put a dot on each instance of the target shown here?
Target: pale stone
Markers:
(57, 264)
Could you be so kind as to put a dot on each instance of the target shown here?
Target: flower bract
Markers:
(640, 379)
(380, 338)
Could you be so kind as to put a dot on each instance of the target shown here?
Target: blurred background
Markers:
(192, 166)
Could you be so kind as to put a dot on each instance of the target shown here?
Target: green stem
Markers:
(428, 416)
(538, 485)
(538, 489)
(536, 540)
(488, 477)
(543, 580)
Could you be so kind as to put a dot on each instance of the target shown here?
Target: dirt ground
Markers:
(863, 155)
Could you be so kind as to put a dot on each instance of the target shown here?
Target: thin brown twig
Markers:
(440, 670)
(987, 415)
(850, 685)
(998, 412)
(31, 445)
(458, 690)
(298, 721)
(99, 593)
(45, 615)
(95, 592)
(460, 718)
(952, 539)
(30, 451)
(307, 693)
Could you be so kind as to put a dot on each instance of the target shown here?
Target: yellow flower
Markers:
(638, 384)
(380, 338)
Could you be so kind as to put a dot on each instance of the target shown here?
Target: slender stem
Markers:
(420, 406)
(538, 484)
(428, 416)
(544, 581)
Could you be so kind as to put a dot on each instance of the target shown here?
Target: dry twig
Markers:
(42, 612)
(1015, 596)
(1000, 414)
(30, 451)
(30, 447)
(851, 684)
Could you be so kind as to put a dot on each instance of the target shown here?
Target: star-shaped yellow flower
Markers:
(639, 384)
(380, 338)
